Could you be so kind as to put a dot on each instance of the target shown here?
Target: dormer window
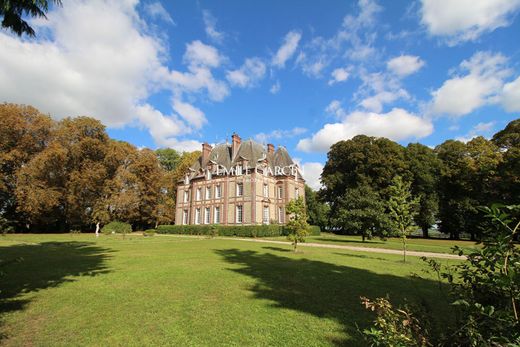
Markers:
(208, 174)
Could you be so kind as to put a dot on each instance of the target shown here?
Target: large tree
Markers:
(317, 211)
(508, 140)
(425, 169)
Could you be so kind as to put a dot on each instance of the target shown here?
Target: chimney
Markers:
(235, 144)
(206, 150)
(270, 148)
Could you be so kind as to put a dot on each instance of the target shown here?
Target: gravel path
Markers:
(350, 248)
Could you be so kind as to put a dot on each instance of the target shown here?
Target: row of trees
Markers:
(448, 182)
(68, 174)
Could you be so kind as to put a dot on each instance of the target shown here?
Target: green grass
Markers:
(413, 244)
(162, 290)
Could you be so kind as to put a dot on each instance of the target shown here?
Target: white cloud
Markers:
(311, 173)
(200, 54)
(480, 85)
(279, 134)
(275, 88)
(481, 129)
(286, 51)
(466, 20)
(252, 71)
(379, 89)
(190, 113)
(404, 65)
(397, 125)
(210, 23)
(157, 11)
(510, 98)
(198, 79)
(339, 75)
(335, 108)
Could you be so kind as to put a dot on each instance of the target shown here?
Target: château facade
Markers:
(242, 183)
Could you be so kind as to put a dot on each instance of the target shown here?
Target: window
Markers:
(280, 215)
(206, 215)
(266, 215)
(208, 192)
(218, 192)
(266, 191)
(240, 189)
(239, 214)
(280, 192)
(297, 193)
(186, 196)
(185, 217)
(216, 215)
(197, 215)
(198, 194)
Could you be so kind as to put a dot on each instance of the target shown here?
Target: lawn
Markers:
(161, 290)
(413, 244)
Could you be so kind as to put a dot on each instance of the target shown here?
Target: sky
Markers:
(301, 74)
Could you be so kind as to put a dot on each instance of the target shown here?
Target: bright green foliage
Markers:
(361, 211)
(117, 228)
(271, 230)
(13, 12)
(317, 211)
(508, 140)
(168, 157)
(402, 209)
(297, 225)
(394, 327)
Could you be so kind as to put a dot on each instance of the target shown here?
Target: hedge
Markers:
(231, 230)
(117, 227)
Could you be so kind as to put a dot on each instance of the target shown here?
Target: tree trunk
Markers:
(363, 237)
(295, 244)
(404, 248)
(425, 232)
(97, 229)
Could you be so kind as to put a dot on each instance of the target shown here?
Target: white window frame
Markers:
(198, 194)
(297, 193)
(186, 196)
(239, 210)
(218, 191)
(197, 215)
(280, 215)
(240, 189)
(185, 217)
(265, 215)
(266, 190)
(207, 215)
(208, 192)
(216, 215)
(280, 192)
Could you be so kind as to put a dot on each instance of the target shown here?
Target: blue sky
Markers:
(301, 74)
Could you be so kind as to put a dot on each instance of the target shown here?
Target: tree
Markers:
(508, 141)
(13, 12)
(402, 209)
(361, 211)
(168, 158)
(317, 211)
(425, 169)
(297, 225)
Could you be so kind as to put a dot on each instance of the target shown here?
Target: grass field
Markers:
(413, 244)
(75, 290)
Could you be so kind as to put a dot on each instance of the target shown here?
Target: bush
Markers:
(149, 232)
(117, 228)
(270, 230)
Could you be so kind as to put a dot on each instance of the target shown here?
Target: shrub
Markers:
(270, 230)
(116, 228)
(149, 232)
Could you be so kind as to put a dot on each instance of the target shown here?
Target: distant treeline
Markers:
(57, 176)
(451, 181)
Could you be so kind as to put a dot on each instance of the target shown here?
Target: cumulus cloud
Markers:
(190, 113)
(286, 51)
(200, 54)
(480, 85)
(466, 20)
(378, 89)
(404, 65)
(157, 11)
(210, 26)
(252, 71)
(397, 125)
(311, 172)
(339, 75)
(481, 129)
(279, 134)
(510, 98)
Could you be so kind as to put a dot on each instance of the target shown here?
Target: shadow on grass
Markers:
(32, 267)
(278, 249)
(328, 290)
(361, 242)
